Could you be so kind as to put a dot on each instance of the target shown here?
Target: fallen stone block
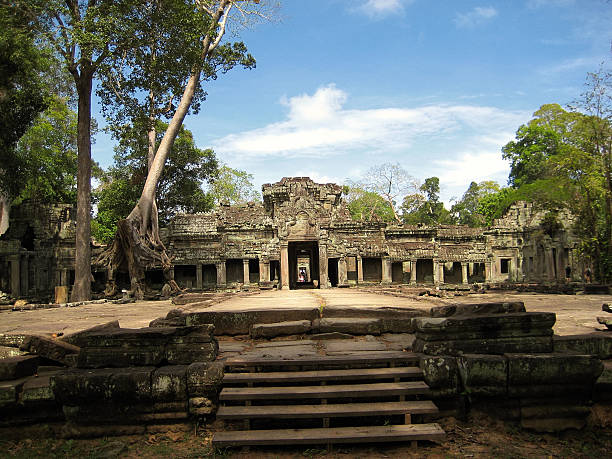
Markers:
(607, 321)
(240, 322)
(526, 344)
(477, 308)
(201, 406)
(187, 298)
(9, 392)
(353, 326)
(185, 354)
(12, 340)
(6, 352)
(50, 348)
(174, 318)
(169, 383)
(18, 367)
(204, 379)
(38, 390)
(553, 425)
(297, 327)
(483, 375)
(597, 343)
(78, 338)
(606, 308)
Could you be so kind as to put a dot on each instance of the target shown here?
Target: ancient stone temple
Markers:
(302, 236)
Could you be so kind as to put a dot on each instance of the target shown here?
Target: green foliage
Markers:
(179, 190)
(48, 156)
(465, 211)
(562, 159)
(367, 205)
(425, 207)
(233, 186)
(23, 93)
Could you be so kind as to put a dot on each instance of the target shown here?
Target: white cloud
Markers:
(568, 65)
(475, 17)
(378, 8)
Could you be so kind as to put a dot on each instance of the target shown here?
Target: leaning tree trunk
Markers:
(137, 243)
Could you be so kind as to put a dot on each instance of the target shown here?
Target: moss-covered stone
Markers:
(483, 375)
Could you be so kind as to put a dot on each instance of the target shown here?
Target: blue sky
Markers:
(438, 86)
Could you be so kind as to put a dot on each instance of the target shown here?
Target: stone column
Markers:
(413, 272)
(464, 272)
(221, 277)
(342, 274)
(15, 276)
(436, 272)
(199, 276)
(359, 269)
(550, 265)
(264, 270)
(441, 275)
(323, 266)
(488, 271)
(245, 271)
(406, 269)
(25, 275)
(284, 265)
(386, 270)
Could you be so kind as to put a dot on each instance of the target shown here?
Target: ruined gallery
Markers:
(301, 236)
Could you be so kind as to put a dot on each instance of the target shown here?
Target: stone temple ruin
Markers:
(308, 375)
(301, 236)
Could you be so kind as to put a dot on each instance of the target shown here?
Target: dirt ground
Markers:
(478, 437)
(575, 313)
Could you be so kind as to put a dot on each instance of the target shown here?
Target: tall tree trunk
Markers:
(82, 269)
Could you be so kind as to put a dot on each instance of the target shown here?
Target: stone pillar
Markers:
(323, 266)
(386, 270)
(488, 271)
(441, 275)
(221, 277)
(464, 272)
(15, 276)
(342, 274)
(359, 269)
(284, 265)
(436, 272)
(25, 275)
(413, 272)
(550, 265)
(264, 270)
(64, 277)
(245, 271)
(199, 276)
(406, 267)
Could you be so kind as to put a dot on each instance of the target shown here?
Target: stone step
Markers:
(323, 392)
(350, 325)
(296, 327)
(357, 374)
(371, 358)
(326, 411)
(323, 436)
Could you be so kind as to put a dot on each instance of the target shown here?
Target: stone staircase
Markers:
(325, 400)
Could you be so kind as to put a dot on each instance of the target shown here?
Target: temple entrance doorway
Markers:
(303, 264)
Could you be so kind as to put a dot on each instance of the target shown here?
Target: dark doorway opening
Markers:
(154, 279)
(332, 271)
(425, 271)
(476, 272)
(274, 271)
(372, 269)
(303, 264)
(209, 275)
(453, 273)
(254, 270)
(397, 275)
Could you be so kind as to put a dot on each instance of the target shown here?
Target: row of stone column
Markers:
(20, 266)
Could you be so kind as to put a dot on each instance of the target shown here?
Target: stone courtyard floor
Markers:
(575, 313)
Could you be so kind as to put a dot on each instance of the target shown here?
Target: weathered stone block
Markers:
(527, 344)
(603, 385)
(553, 368)
(297, 327)
(6, 351)
(12, 340)
(49, 348)
(18, 367)
(169, 383)
(204, 379)
(483, 375)
(353, 326)
(184, 354)
(9, 391)
(38, 390)
(201, 406)
(240, 322)
(77, 339)
(553, 424)
(597, 343)
(102, 357)
(442, 375)
(75, 386)
(477, 308)
(489, 326)
(607, 321)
